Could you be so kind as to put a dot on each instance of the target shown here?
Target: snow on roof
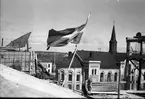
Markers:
(35, 83)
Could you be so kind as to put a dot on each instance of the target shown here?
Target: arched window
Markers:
(70, 76)
(109, 76)
(101, 77)
(115, 77)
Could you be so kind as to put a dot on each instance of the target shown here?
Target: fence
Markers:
(24, 60)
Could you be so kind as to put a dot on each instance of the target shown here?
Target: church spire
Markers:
(113, 42)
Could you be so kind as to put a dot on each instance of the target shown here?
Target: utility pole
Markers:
(140, 66)
(127, 71)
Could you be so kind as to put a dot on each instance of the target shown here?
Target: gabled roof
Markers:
(108, 60)
(65, 62)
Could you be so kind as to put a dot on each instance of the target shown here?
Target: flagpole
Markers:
(73, 56)
(71, 62)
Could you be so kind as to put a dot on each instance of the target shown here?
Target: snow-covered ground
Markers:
(14, 83)
(124, 94)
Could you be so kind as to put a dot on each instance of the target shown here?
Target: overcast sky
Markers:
(19, 17)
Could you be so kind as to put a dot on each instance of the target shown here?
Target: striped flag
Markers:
(63, 37)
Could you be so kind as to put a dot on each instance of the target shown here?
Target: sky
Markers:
(19, 17)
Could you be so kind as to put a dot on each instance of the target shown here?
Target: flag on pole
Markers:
(63, 37)
(20, 42)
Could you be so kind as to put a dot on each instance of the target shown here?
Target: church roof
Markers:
(108, 60)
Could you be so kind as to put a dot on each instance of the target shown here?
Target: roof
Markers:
(113, 36)
(108, 60)
(49, 56)
(62, 60)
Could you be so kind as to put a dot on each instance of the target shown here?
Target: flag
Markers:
(63, 37)
(76, 39)
(20, 42)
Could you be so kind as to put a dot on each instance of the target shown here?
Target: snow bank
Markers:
(12, 89)
(35, 83)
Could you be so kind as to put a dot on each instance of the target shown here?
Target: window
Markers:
(109, 76)
(115, 77)
(62, 75)
(69, 86)
(95, 71)
(78, 77)
(77, 87)
(70, 76)
(101, 77)
(92, 71)
(48, 66)
(48, 70)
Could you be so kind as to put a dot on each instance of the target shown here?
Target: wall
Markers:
(24, 60)
(94, 70)
(74, 72)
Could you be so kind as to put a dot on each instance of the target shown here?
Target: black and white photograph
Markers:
(81, 49)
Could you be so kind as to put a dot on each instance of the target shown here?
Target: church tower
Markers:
(113, 42)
